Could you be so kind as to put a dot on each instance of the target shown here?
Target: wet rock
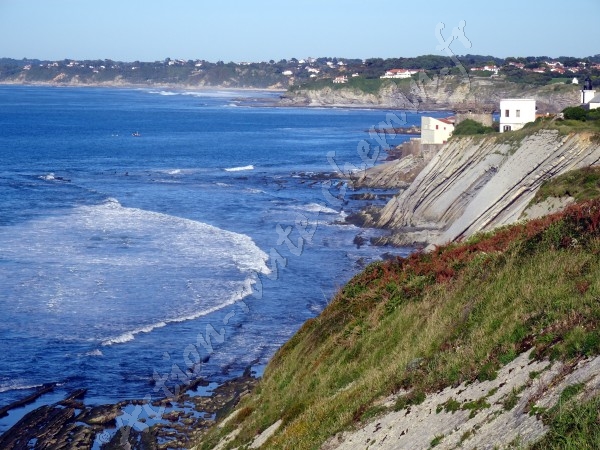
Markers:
(102, 415)
(131, 439)
(29, 399)
(49, 426)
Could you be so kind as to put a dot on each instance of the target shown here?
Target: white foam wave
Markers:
(15, 386)
(112, 201)
(48, 177)
(174, 172)
(96, 352)
(239, 169)
(126, 271)
(130, 335)
(317, 208)
(254, 191)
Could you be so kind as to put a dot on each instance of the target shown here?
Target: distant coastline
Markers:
(422, 83)
(117, 85)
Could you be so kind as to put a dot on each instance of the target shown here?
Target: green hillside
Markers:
(435, 320)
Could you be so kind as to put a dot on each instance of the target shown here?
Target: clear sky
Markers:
(260, 30)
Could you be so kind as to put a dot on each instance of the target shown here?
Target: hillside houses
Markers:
(399, 73)
(487, 68)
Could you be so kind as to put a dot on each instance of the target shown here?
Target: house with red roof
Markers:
(436, 131)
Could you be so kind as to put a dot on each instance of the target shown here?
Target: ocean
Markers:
(151, 234)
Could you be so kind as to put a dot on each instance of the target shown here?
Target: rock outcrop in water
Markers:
(479, 183)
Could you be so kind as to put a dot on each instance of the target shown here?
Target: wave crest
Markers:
(239, 169)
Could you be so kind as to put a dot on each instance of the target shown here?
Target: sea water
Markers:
(147, 234)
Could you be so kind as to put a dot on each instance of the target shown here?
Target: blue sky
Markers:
(260, 30)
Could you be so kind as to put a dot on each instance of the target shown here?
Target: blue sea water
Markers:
(127, 259)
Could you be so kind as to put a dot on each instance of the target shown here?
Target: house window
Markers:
(437, 127)
(506, 127)
(518, 113)
(506, 113)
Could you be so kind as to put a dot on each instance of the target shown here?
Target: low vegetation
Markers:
(470, 127)
(361, 84)
(574, 424)
(579, 113)
(422, 323)
(582, 184)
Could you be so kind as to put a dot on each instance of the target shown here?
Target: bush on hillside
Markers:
(574, 113)
(469, 127)
(593, 114)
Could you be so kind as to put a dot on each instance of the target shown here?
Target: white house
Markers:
(515, 113)
(399, 73)
(287, 73)
(589, 99)
(340, 80)
(435, 131)
(487, 68)
(594, 103)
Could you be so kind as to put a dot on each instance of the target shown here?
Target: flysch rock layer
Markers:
(478, 183)
(497, 421)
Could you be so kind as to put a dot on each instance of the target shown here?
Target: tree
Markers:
(570, 62)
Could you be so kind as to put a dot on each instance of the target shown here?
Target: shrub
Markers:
(470, 127)
(593, 114)
(574, 113)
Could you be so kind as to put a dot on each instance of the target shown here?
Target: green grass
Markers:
(362, 84)
(581, 184)
(574, 425)
(561, 80)
(512, 398)
(436, 441)
(460, 313)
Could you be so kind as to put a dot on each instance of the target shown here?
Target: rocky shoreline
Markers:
(168, 423)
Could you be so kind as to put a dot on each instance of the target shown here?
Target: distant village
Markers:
(568, 70)
(297, 72)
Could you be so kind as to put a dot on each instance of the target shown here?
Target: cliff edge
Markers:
(478, 183)
(438, 93)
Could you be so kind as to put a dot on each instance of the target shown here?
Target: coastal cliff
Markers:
(490, 342)
(479, 183)
(439, 93)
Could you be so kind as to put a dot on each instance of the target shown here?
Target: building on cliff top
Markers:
(436, 131)
(589, 99)
(399, 73)
(515, 113)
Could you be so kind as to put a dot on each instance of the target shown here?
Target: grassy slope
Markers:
(580, 184)
(434, 320)
(360, 84)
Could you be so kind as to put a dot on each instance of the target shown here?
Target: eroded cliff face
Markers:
(439, 93)
(479, 183)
